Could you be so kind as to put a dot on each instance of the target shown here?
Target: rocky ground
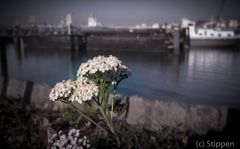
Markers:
(22, 126)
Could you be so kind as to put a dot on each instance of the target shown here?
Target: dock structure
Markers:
(178, 40)
(21, 35)
(83, 38)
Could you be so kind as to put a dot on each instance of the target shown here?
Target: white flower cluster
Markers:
(62, 90)
(109, 69)
(70, 140)
(111, 66)
(80, 90)
(85, 90)
(99, 64)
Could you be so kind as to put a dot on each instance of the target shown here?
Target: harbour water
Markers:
(207, 76)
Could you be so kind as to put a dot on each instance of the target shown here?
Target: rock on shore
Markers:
(154, 114)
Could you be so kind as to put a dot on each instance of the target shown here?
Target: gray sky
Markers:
(115, 12)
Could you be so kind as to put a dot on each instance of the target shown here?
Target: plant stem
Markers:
(88, 118)
(114, 93)
(110, 125)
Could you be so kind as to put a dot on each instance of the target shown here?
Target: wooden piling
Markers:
(82, 41)
(4, 65)
(176, 42)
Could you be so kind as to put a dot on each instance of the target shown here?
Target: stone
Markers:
(156, 114)
(136, 111)
(16, 88)
(40, 98)
(167, 114)
(201, 119)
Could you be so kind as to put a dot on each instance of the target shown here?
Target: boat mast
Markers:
(220, 10)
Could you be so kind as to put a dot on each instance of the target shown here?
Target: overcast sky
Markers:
(115, 12)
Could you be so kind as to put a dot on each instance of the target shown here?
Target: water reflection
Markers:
(213, 75)
(208, 76)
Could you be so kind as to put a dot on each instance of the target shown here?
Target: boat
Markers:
(216, 37)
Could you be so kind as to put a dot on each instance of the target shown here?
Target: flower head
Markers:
(85, 90)
(62, 90)
(99, 64)
(109, 68)
(71, 139)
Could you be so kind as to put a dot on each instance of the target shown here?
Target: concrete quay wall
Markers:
(35, 94)
(152, 114)
(155, 114)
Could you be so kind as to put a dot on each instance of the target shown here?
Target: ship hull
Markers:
(214, 42)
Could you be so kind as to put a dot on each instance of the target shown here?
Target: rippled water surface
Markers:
(209, 76)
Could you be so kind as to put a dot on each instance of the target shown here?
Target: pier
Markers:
(20, 35)
(82, 38)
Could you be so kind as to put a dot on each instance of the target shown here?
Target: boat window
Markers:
(205, 32)
(212, 34)
(229, 35)
(200, 34)
(219, 35)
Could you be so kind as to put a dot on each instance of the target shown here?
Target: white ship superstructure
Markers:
(210, 33)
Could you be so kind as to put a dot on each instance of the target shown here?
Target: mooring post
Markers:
(20, 47)
(176, 42)
(4, 60)
(186, 38)
(72, 42)
(82, 41)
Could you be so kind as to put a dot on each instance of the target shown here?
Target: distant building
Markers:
(167, 26)
(68, 22)
(175, 26)
(61, 24)
(92, 21)
(143, 25)
(32, 20)
(185, 22)
(68, 19)
(233, 23)
(137, 26)
(155, 26)
(221, 24)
